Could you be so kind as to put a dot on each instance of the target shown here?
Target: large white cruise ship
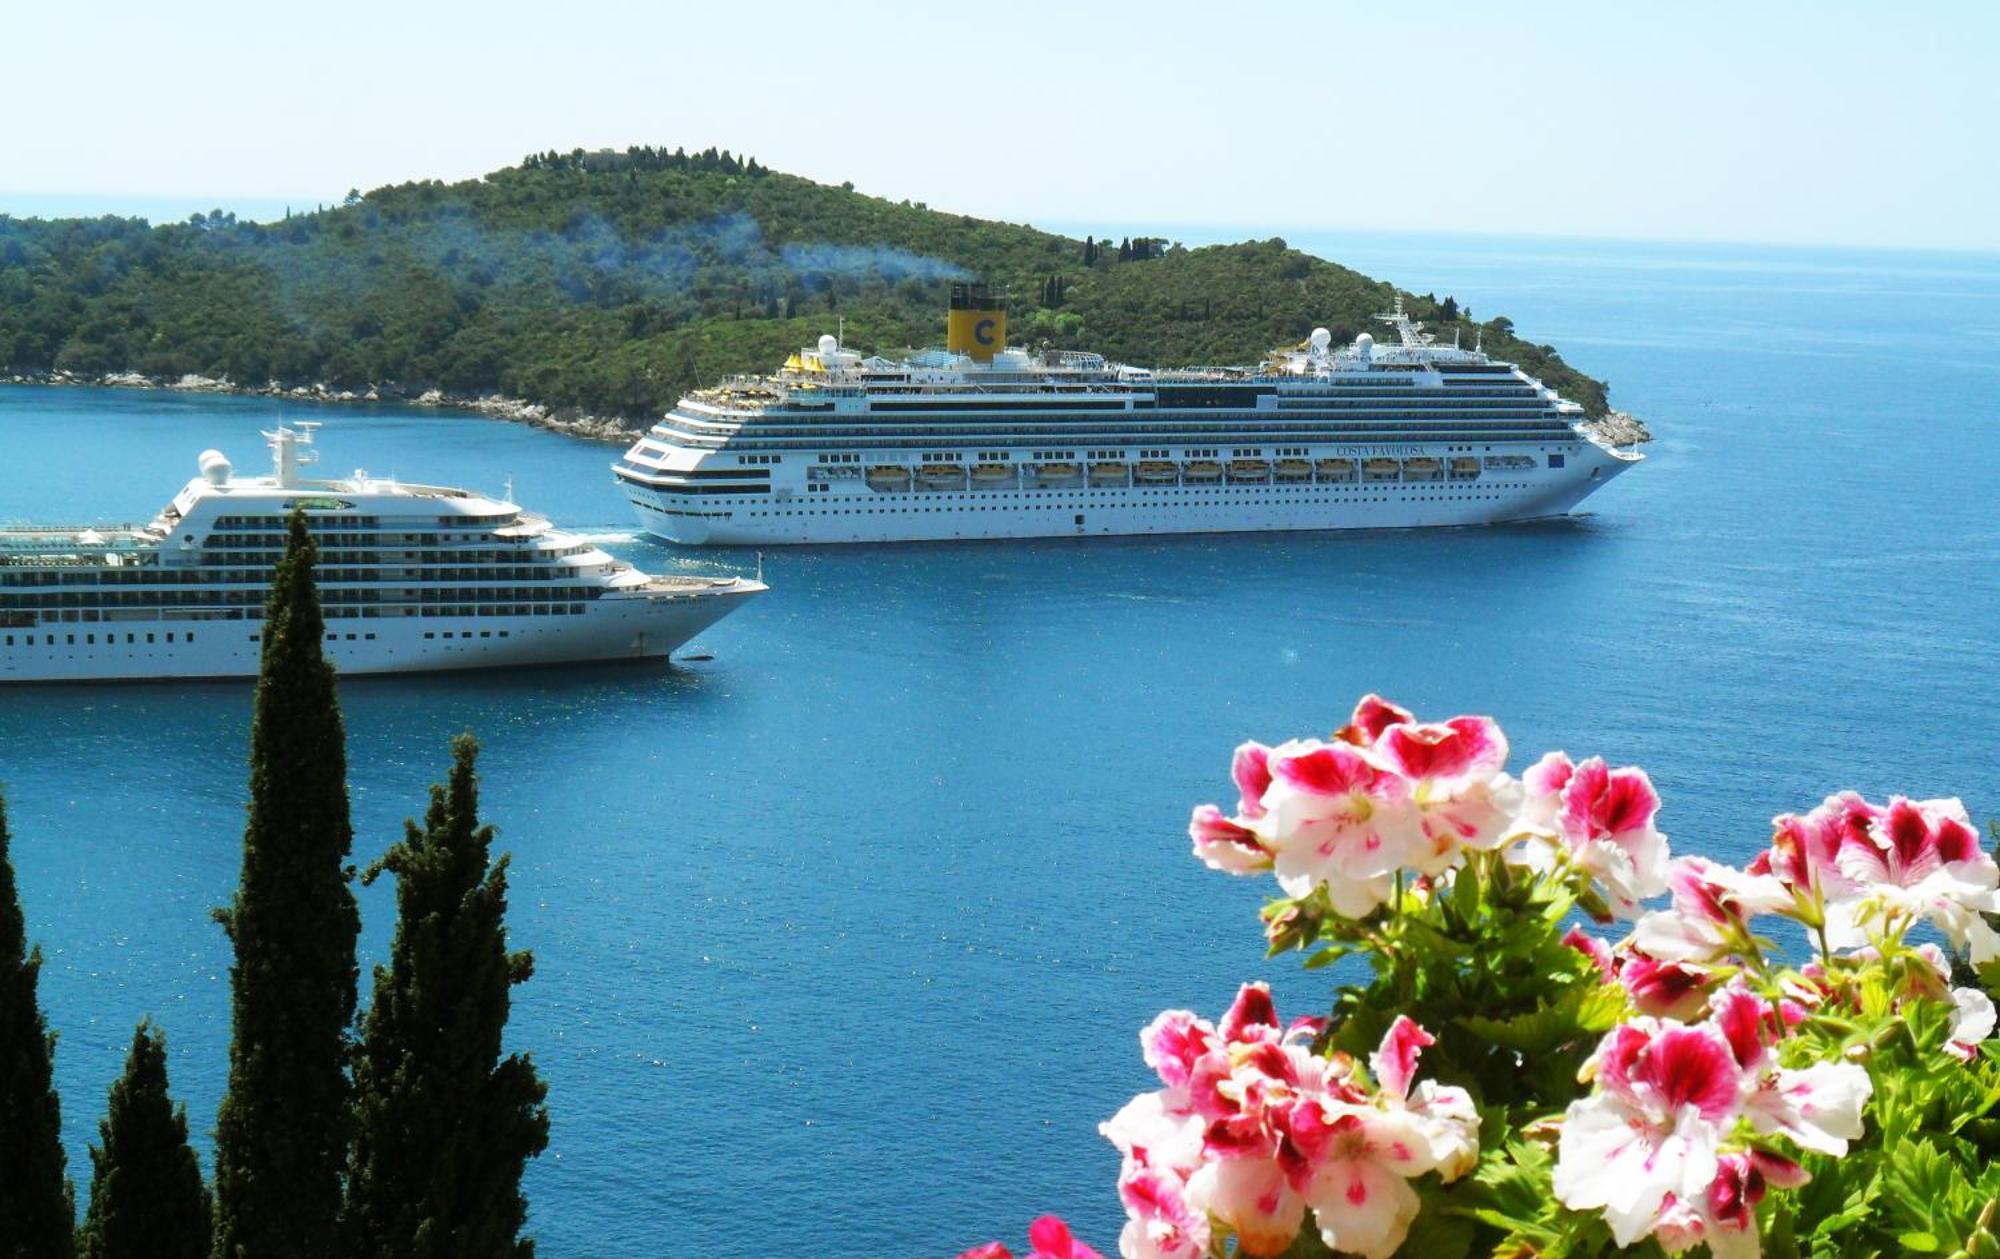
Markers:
(981, 441)
(411, 578)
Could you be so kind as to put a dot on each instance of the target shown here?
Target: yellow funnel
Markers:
(976, 324)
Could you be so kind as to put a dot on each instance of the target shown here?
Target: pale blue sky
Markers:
(1810, 123)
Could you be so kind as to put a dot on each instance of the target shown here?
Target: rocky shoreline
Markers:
(518, 410)
(1621, 428)
(1617, 427)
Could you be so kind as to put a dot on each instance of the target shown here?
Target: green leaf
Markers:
(1582, 1012)
(1919, 1243)
(1326, 956)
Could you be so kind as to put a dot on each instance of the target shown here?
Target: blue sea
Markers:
(843, 937)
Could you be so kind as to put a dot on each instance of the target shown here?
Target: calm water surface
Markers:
(844, 937)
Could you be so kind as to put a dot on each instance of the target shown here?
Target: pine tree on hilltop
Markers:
(444, 1126)
(146, 1196)
(281, 1133)
(37, 1205)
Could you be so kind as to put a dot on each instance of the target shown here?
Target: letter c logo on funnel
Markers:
(982, 332)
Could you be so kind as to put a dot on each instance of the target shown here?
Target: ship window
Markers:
(1555, 461)
(430, 635)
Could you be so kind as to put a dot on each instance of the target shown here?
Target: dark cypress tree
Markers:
(146, 1196)
(37, 1206)
(443, 1125)
(281, 1134)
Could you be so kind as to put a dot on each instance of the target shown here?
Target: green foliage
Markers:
(146, 1196)
(611, 282)
(1924, 1177)
(443, 1125)
(281, 1135)
(37, 1209)
(1482, 965)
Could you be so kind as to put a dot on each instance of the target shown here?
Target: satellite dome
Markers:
(1321, 338)
(829, 344)
(1364, 345)
(214, 467)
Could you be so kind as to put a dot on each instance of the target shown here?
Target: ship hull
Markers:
(857, 514)
(615, 627)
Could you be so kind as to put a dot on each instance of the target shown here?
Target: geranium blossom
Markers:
(1920, 859)
(1463, 800)
(1048, 1238)
(1215, 1140)
(1386, 793)
(1725, 1217)
(1645, 1148)
(1859, 867)
(1972, 1019)
(1334, 815)
(1252, 1128)
(1711, 913)
(1602, 819)
(1666, 1095)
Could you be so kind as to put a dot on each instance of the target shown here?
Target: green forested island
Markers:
(607, 283)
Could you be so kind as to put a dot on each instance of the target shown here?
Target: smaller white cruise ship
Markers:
(412, 578)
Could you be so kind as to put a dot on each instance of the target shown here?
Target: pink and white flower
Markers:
(1363, 1156)
(1444, 1113)
(1711, 913)
(1664, 989)
(1214, 1142)
(1463, 800)
(1225, 843)
(1372, 715)
(1725, 1218)
(1049, 1237)
(1645, 1147)
(1602, 819)
(1334, 815)
(1666, 1096)
(1972, 1020)
(1818, 1107)
(1160, 1223)
(1252, 1128)
(1919, 859)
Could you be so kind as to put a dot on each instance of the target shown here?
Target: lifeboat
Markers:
(1421, 469)
(1465, 468)
(1108, 471)
(1294, 470)
(1203, 470)
(991, 474)
(888, 476)
(1050, 472)
(1336, 469)
(1382, 469)
(1249, 470)
(1155, 472)
(941, 474)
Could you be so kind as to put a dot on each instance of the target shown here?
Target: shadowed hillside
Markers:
(609, 282)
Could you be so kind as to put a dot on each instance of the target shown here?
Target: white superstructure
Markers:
(976, 441)
(411, 578)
